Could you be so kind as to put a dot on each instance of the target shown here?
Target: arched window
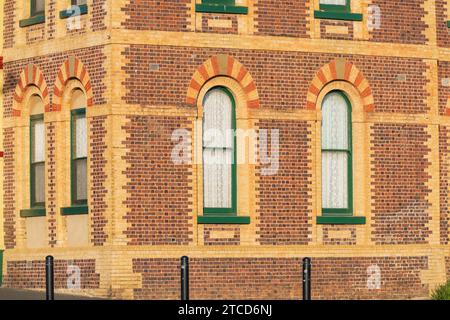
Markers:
(337, 198)
(37, 152)
(78, 148)
(219, 152)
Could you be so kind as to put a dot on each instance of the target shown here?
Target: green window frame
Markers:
(233, 209)
(337, 12)
(226, 215)
(220, 6)
(36, 16)
(78, 206)
(35, 164)
(71, 12)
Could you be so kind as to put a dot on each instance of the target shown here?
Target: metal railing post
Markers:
(49, 279)
(307, 279)
(184, 278)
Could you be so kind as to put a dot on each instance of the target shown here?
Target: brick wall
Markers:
(9, 191)
(400, 211)
(282, 78)
(284, 199)
(282, 18)
(444, 200)
(31, 274)
(280, 278)
(158, 200)
(401, 22)
(9, 18)
(156, 15)
(444, 90)
(442, 31)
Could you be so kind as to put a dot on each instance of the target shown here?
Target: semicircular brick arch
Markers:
(72, 68)
(223, 65)
(340, 69)
(30, 75)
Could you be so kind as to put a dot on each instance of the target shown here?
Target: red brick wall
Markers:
(280, 278)
(325, 35)
(401, 22)
(9, 19)
(400, 211)
(444, 91)
(50, 167)
(281, 18)
(158, 199)
(98, 160)
(443, 32)
(212, 16)
(157, 15)
(444, 176)
(9, 191)
(284, 214)
(93, 58)
(99, 12)
(282, 78)
(31, 274)
(235, 239)
(329, 240)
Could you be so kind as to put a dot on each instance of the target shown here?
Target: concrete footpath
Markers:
(20, 294)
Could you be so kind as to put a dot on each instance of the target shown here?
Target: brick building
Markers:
(106, 110)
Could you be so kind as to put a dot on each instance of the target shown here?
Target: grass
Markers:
(442, 292)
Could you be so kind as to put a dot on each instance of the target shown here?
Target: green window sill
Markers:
(32, 21)
(64, 14)
(75, 210)
(33, 212)
(214, 8)
(223, 220)
(338, 15)
(340, 220)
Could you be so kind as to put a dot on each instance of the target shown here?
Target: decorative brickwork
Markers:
(98, 175)
(336, 30)
(401, 22)
(157, 15)
(444, 179)
(99, 12)
(31, 274)
(228, 24)
(282, 18)
(399, 188)
(444, 87)
(158, 201)
(52, 209)
(231, 237)
(72, 68)
(284, 203)
(330, 239)
(9, 18)
(9, 191)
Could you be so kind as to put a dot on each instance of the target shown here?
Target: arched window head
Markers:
(219, 152)
(78, 99)
(36, 105)
(336, 154)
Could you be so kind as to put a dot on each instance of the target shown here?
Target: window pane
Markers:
(335, 2)
(39, 183)
(80, 136)
(81, 179)
(217, 119)
(335, 122)
(37, 140)
(334, 180)
(217, 178)
(39, 5)
(78, 2)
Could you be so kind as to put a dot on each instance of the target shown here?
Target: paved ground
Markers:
(19, 294)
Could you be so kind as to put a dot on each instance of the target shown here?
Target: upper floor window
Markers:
(219, 153)
(220, 6)
(37, 7)
(337, 198)
(335, 5)
(336, 10)
(78, 2)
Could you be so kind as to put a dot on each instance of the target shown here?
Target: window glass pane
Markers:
(39, 5)
(81, 179)
(78, 2)
(38, 143)
(80, 136)
(217, 178)
(39, 182)
(335, 2)
(334, 180)
(335, 122)
(217, 119)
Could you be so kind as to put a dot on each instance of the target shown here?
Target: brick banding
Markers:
(72, 68)
(224, 65)
(31, 75)
(340, 69)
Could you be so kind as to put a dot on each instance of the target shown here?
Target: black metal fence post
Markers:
(184, 278)
(307, 279)
(49, 279)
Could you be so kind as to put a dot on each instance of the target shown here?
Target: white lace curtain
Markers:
(335, 146)
(335, 2)
(218, 146)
